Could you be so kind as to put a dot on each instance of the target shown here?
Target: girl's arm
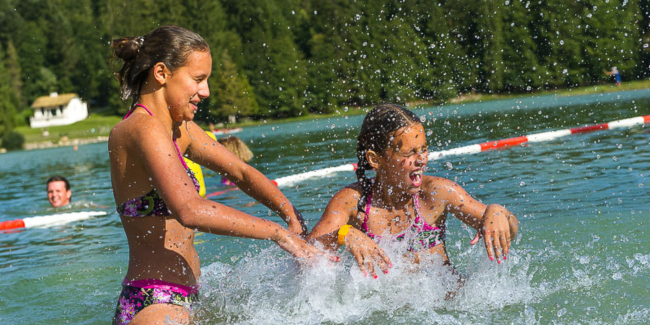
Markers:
(495, 223)
(211, 154)
(339, 212)
(152, 146)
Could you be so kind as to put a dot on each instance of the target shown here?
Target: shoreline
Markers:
(63, 143)
(464, 99)
(351, 111)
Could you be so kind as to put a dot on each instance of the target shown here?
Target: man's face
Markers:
(57, 194)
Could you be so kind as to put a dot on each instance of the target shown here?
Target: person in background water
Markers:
(239, 148)
(617, 76)
(58, 191)
(401, 203)
(165, 72)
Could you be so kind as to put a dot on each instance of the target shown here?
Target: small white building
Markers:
(57, 109)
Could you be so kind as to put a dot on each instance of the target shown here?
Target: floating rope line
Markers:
(539, 137)
(51, 220)
(475, 148)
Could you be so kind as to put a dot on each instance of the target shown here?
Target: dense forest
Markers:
(287, 58)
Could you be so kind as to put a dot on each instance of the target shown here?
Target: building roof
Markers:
(49, 101)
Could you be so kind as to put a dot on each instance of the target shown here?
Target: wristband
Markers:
(343, 231)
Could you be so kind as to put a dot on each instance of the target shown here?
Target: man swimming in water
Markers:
(58, 191)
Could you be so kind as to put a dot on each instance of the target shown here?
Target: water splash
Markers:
(269, 287)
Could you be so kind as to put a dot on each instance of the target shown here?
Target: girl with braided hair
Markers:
(401, 203)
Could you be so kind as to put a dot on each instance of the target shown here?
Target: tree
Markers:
(272, 61)
(8, 100)
(521, 67)
(233, 93)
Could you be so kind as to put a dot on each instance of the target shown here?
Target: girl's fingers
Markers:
(497, 246)
(378, 259)
(476, 238)
(505, 243)
(488, 245)
(371, 267)
(384, 258)
(359, 259)
(514, 226)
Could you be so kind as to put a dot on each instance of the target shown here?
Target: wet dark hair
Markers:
(171, 45)
(378, 128)
(59, 179)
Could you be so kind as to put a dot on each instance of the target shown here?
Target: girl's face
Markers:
(188, 85)
(402, 164)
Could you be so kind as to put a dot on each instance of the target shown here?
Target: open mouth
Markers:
(416, 178)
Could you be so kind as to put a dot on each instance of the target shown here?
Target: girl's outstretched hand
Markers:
(298, 225)
(498, 228)
(299, 248)
(366, 252)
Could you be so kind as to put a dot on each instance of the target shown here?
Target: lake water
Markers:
(582, 255)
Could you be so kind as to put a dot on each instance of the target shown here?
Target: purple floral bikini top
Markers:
(152, 204)
(423, 235)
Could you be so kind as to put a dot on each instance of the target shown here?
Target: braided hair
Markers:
(377, 131)
(171, 45)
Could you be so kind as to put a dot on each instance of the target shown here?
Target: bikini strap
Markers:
(133, 108)
(178, 150)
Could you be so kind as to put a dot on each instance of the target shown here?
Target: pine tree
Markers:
(8, 99)
(13, 69)
(31, 56)
(273, 63)
(233, 93)
(521, 68)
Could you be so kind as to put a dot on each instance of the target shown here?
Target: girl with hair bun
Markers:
(165, 73)
(401, 203)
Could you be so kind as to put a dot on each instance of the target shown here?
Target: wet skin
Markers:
(144, 157)
(57, 195)
(392, 207)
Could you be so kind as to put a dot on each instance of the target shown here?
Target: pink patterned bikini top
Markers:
(152, 204)
(425, 236)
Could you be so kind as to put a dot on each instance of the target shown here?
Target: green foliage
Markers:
(285, 58)
(234, 94)
(8, 99)
(13, 141)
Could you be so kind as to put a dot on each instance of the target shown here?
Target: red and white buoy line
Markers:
(51, 220)
(486, 146)
(471, 149)
(63, 218)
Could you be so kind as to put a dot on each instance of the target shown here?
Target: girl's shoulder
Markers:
(137, 131)
(352, 191)
(430, 182)
(434, 184)
(347, 198)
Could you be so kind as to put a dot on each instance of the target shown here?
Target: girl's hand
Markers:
(298, 247)
(498, 227)
(366, 252)
(297, 225)
(298, 228)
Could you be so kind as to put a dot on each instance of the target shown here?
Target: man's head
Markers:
(58, 191)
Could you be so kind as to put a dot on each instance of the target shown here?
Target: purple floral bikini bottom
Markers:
(137, 295)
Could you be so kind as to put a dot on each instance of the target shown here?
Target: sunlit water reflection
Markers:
(582, 256)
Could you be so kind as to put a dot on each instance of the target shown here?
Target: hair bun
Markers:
(127, 48)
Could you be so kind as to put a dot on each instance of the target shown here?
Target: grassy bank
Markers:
(95, 125)
(100, 124)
